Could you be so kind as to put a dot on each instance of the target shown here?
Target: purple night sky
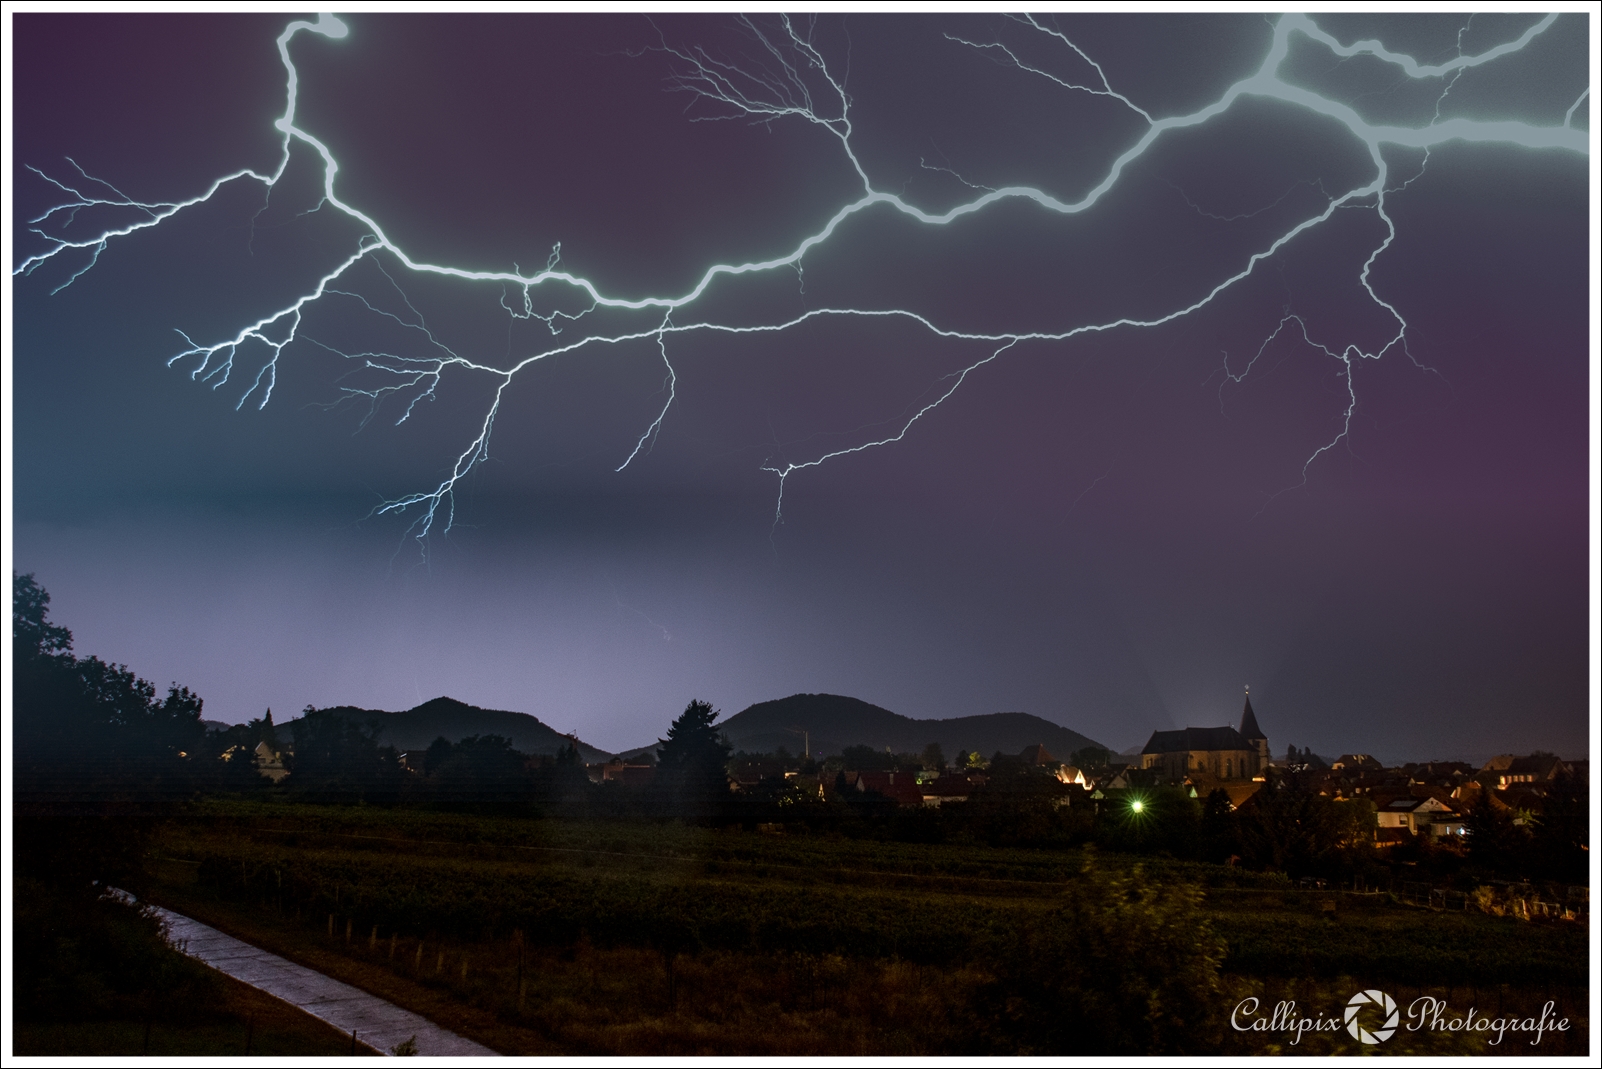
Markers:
(1114, 531)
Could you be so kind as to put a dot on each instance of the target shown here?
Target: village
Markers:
(1432, 799)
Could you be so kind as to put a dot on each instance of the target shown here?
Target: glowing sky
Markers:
(1198, 407)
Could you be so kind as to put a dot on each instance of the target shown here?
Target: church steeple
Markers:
(1248, 721)
(1252, 733)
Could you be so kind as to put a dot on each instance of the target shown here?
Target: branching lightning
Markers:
(791, 80)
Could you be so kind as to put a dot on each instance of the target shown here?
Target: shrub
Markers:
(1125, 966)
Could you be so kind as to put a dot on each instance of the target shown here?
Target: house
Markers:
(1073, 777)
(1037, 756)
(807, 783)
(270, 762)
(621, 773)
(1119, 777)
(1427, 814)
(1238, 792)
(1536, 768)
(750, 771)
(1224, 753)
(1356, 762)
(901, 787)
(937, 792)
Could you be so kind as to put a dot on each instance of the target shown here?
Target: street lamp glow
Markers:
(1136, 806)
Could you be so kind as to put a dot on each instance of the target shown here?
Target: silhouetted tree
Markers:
(1562, 838)
(438, 752)
(1295, 831)
(691, 775)
(863, 758)
(98, 758)
(86, 721)
(1220, 835)
(336, 756)
(483, 771)
(1494, 841)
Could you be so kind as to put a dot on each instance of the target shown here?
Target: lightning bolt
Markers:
(789, 78)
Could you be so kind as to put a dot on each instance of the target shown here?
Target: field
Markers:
(544, 937)
(240, 1020)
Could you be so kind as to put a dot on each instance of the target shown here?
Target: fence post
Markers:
(522, 982)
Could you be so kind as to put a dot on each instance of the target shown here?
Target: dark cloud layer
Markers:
(1108, 531)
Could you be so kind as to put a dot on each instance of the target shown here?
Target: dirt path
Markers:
(377, 1023)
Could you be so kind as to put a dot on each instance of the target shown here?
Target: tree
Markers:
(98, 758)
(438, 752)
(1219, 838)
(481, 770)
(82, 720)
(33, 636)
(1561, 840)
(1287, 829)
(864, 758)
(1494, 841)
(336, 754)
(690, 764)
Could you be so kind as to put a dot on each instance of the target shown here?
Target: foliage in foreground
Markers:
(79, 957)
(1125, 966)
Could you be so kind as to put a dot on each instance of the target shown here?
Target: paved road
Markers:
(376, 1022)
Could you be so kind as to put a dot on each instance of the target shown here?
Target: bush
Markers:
(1126, 966)
(83, 959)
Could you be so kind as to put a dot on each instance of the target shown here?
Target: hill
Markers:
(834, 722)
(414, 729)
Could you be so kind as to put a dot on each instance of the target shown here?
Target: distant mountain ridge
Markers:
(415, 728)
(833, 722)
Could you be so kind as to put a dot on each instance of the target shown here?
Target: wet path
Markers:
(376, 1023)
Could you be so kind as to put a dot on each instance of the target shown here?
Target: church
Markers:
(1222, 753)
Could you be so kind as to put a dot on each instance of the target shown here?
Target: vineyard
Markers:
(552, 937)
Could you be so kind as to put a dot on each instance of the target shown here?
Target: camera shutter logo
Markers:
(1376, 998)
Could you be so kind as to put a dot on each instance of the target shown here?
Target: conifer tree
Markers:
(691, 772)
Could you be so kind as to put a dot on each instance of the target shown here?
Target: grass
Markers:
(552, 937)
(243, 1021)
(621, 1000)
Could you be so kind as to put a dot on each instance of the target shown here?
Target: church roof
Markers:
(1248, 723)
(1196, 739)
(1037, 755)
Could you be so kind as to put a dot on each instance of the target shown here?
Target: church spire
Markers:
(1248, 721)
(1254, 735)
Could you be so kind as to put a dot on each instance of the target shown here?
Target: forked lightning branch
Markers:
(798, 82)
